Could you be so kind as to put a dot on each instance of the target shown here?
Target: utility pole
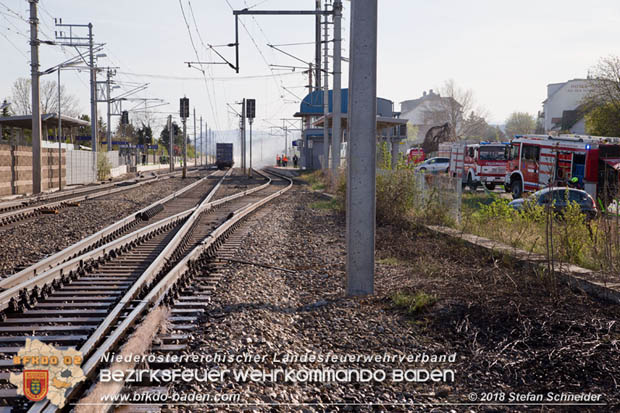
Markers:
(361, 160)
(317, 45)
(337, 88)
(93, 99)
(326, 92)
(201, 140)
(243, 145)
(211, 137)
(58, 135)
(36, 102)
(285, 137)
(184, 115)
(195, 141)
(78, 41)
(109, 101)
(251, 114)
(170, 141)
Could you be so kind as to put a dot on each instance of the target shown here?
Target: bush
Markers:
(103, 165)
(413, 303)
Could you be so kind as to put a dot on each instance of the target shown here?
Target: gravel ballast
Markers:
(501, 330)
(27, 242)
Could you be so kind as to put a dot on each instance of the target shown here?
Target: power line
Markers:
(15, 13)
(13, 44)
(198, 57)
(216, 79)
(213, 90)
(16, 32)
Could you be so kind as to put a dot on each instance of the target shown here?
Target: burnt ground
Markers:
(511, 331)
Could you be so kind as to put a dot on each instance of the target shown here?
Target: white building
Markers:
(562, 108)
(418, 112)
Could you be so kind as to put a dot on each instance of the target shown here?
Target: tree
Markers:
(602, 105)
(456, 107)
(164, 138)
(520, 123)
(145, 135)
(603, 120)
(6, 112)
(48, 96)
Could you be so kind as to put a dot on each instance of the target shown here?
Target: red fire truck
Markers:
(415, 156)
(538, 161)
(479, 163)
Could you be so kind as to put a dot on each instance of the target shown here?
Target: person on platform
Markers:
(278, 160)
(295, 160)
(284, 160)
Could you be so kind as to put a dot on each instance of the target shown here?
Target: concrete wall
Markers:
(16, 169)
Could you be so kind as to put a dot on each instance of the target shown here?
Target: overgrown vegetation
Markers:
(413, 303)
(327, 204)
(405, 198)
(103, 165)
(566, 238)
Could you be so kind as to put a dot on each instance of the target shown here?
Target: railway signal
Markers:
(250, 112)
(184, 112)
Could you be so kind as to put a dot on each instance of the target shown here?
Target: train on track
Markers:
(224, 155)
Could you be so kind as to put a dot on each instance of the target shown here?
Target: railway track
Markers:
(18, 210)
(92, 301)
(176, 202)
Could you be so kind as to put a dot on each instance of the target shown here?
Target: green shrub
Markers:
(413, 303)
(103, 166)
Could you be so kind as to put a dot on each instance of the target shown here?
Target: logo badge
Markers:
(35, 384)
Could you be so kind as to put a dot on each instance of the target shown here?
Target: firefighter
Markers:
(574, 183)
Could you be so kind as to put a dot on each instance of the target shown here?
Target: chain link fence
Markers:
(440, 192)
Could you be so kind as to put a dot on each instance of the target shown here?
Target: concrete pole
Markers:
(337, 93)
(361, 163)
(243, 137)
(170, 143)
(317, 46)
(250, 170)
(36, 102)
(184, 148)
(109, 132)
(93, 100)
(325, 93)
(58, 136)
(201, 141)
(195, 140)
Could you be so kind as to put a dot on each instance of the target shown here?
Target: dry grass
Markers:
(138, 344)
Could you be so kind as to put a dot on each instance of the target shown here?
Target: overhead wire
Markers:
(198, 57)
(208, 50)
(278, 86)
(215, 79)
(13, 44)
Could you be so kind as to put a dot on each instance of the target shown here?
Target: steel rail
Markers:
(155, 297)
(88, 242)
(10, 297)
(16, 214)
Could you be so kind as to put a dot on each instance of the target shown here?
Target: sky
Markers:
(506, 52)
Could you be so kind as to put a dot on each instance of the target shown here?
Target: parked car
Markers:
(560, 197)
(434, 165)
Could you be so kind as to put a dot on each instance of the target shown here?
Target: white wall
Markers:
(567, 97)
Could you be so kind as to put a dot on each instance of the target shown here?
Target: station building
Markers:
(389, 127)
